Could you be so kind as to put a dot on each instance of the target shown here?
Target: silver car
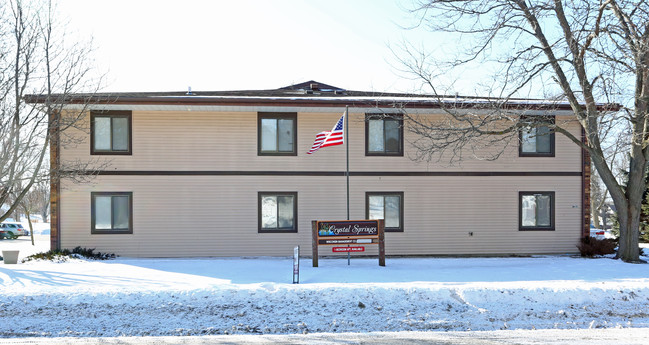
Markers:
(13, 229)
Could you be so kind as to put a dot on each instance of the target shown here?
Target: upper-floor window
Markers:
(536, 210)
(537, 140)
(110, 133)
(111, 213)
(277, 134)
(383, 135)
(387, 206)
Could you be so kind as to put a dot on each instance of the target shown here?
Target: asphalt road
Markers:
(624, 336)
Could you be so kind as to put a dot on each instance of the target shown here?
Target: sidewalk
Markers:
(634, 336)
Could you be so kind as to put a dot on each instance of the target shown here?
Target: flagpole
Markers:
(347, 153)
(347, 171)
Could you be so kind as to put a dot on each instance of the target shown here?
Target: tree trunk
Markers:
(31, 227)
(629, 212)
(627, 200)
(597, 198)
(594, 212)
(45, 210)
(629, 220)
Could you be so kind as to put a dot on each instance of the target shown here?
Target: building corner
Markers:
(585, 186)
(55, 181)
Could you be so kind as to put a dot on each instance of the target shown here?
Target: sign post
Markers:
(350, 233)
(296, 265)
(314, 242)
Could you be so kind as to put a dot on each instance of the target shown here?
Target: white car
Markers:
(13, 229)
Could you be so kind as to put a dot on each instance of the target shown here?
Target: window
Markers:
(536, 140)
(387, 206)
(277, 212)
(277, 134)
(110, 133)
(383, 135)
(112, 213)
(536, 210)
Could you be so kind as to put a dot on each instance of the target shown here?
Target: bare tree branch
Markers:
(35, 57)
(579, 52)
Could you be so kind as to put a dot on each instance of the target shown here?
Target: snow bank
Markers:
(162, 297)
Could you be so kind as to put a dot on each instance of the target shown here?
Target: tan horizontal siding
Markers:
(217, 215)
(208, 141)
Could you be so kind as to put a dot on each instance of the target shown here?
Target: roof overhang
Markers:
(298, 109)
(310, 104)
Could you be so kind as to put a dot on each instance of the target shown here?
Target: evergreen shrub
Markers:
(64, 254)
(591, 247)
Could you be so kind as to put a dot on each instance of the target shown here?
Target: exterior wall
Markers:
(206, 213)
(217, 215)
(195, 141)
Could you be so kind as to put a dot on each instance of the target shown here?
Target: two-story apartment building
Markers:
(227, 174)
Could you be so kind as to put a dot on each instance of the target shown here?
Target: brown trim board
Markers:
(327, 173)
(55, 181)
(287, 101)
(276, 116)
(128, 114)
(384, 194)
(585, 187)
(93, 213)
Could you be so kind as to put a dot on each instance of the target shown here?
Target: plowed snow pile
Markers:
(255, 295)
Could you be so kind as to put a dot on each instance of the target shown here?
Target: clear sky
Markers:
(244, 44)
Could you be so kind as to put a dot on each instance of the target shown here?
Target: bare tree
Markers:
(30, 204)
(36, 57)
(597, 199)
(42, 200)
(583, 52)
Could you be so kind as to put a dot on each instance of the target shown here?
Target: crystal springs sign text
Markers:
(357, 228)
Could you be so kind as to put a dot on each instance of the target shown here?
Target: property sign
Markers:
(347, 249)
(348, 232)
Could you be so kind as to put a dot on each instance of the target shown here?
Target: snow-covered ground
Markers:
(161, 297)
(24, 245)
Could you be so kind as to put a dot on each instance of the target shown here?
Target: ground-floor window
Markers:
(536, 210)
(111, 213)
(387, 206)
(277, 211)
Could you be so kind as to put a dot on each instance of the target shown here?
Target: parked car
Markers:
(4, 234)
(13, 229)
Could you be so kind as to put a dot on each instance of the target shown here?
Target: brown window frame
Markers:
(95, 231)
(398, 117)
(551, 227)
(401, 207)
(262, 230)
(111, 114)
(549, 119)
(278, 116)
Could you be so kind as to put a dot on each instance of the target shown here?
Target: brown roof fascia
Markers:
(433, 103)
(204, 101)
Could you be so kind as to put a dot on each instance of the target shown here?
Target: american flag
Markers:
(330, 138)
